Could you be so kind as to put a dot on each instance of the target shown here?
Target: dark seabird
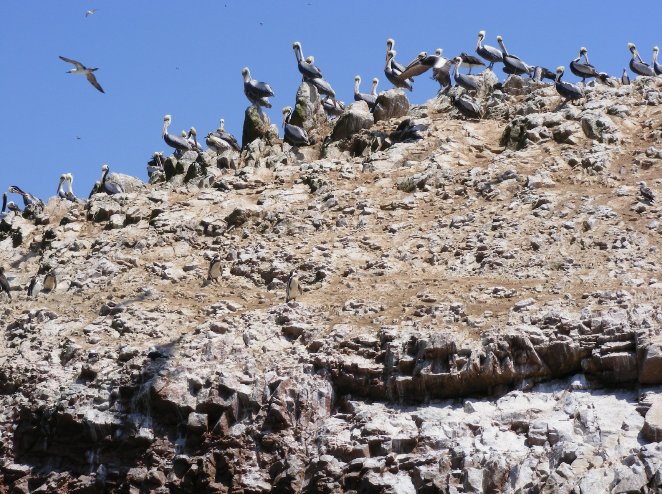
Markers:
(441, 72)
(512, 64)
(69, 194)
(31, 286)
(257, 92)
(393, 70)
(467, 106)
(568, 91)
(637, 65)
(215, 269)
(471, 61)
(192, 137)
(585, 70)
(293, 288)
(625, 78)
(656, 66)
(50, 281)
(333, 107)
(294, 135)
(371, 98)
(117, 183)
(646, 193)
(463, 80)
(421, 64)
(8, 207)
(81, 69)
(28, 199)
(180, 144)
(4, 284)
(489, 53)
(308, 69)
(540, 73)
(220, 139)
(323, 87)
(390, 46)
(60, 187)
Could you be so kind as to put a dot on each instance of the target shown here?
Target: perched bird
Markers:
(637, 65)
(323, 87)
(512, 64)
(155, 165)
(192, 137)
(625, 79)
(308, 69)
(28, 199)
(4, 284)
(294, 135)
(90, 12)
(441, 72)
(117, 183)
(585, 70)
(332, 107)
(179, 144)
(215, 269)
(568, 91)
(31, 286)
(220, 139)
(467, 106)
(8, 207)
(540, 73)
(60, 187)
(471, 61)
(489, 53)
(463, 80)
(81, 69)
(50, 281)
(393, 70)
(371, 98)
(257, 92)
(656, 66)
(293, 288)
(646, 193)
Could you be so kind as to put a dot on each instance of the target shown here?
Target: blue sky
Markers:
(185, 59)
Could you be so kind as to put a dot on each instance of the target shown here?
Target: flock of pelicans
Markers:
(258, 93)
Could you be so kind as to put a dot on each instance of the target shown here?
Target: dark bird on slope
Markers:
(220, 139)
(50, 282)
(421, 64)
(540, 73)
(81, 69)
(215, 268)
(308, 69)
(8, 207)
(323, 87)
(293, 287)
(28, 199)
(463, 80)
(512, 64)
(393, 69)
(625, 78)
(257, 92)
(471, 61)
(180, 144)
(192, 138)
(646, 193)
(4, 284)
(370, 99)
(584, 69)
(294, 135)
(333, 107)
(637, 65)
(117, 183)
(467, 106)
(489, 53)
(32, 285)
(568, 91)
(441, 72)
(656, 66)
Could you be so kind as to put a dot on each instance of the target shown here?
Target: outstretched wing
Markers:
(79, 66)
(93, 81)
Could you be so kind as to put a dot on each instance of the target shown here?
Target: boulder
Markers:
(257, 125)
(355, 118)
(308, 112)
(652, 429)
(391, 104)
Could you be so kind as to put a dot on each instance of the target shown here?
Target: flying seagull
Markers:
(90, 12)
(81, 69)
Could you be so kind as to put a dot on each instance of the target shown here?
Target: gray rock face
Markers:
(355, 118)
(391, 104)
(308, 112)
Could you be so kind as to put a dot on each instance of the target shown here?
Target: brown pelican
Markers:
(4, 284)
(441, 72)
(178, 143)
(468, 106)
(637, 65)
(656, 66)
(90, 12)
(332, 107)
(28, 199)
(215, 269)
(625, 79)
(293, 288)
(155, 164)
(294, 135)
(192, 137)
(512, 64)
(585, 70)
(50, 282)
(323, 87)
(371, 98)
(471, 61)
(646, 193)
(69, 194)
(421, 64)
(307, 69)
(220, 140)
(540, 73)
(570, 92)
(81, 69)
(8, 207)
(117, 183)
(489, 53)
(392, 70)
(60, 189)
(390, 46)
(463, 80)
(257, 92)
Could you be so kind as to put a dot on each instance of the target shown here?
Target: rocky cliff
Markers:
(481, 312)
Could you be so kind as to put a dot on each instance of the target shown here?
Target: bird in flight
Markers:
(81, 69)
(90, 12)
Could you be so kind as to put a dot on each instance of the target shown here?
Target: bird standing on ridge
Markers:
(441, 72)
(471, 61)
(625, 79)
(637, 65)
(656, 66)
(60, 189)
(28, 199)
(568, 91)
(370, 99)
(489, 53)
(117, 183)
(215, 269)
(307, 69)
(258, 93)
(512, 64)
(293, 287)
(178, 143)
(294, 135)
(646, 193)
(393, 69)
(585, 70)
(467, 106)
(4, 284)
(221, 140)
(81, 69)
(463, 80)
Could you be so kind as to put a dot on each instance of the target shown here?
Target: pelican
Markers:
(257, 92)
(31, 286)
(371, 98)
(192, 138)
(468, 106)
(540, 73)
(512, 64)
(637, 65)
(156, 163)
(60, 189)
(645, 192)
(656, 66)
(332, 107)
(463, 80)
(323, 87)
(585, 70)
(307, 69)
(294, 135)
(441, 72)
(390, 46)
(81, 69)
(421, 64)
(570, 92)
(117, 183)
(28, 199)
(489, 53)
(178, 143)
(625, 79)
(8, 207)
(4, 284)
(471, 61)
(222, 140)
(392, 70)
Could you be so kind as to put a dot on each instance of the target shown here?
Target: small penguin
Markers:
(50, 281)
(646, 193)
(293, 287)
(31, 286)
(215, 268)
(4, 284)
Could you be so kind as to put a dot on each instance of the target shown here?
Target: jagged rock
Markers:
(652, 429)
(355, 118)
(308, 112)
(391, 104)
(257, 126)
